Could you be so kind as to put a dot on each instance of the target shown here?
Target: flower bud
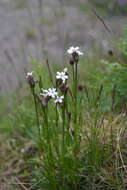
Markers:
(30, 79)
(80, 87)
(45, 101)
(75, 57)
(59, 82)
(72, 61)
(64, 88)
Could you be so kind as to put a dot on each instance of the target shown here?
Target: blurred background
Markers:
(42, 29)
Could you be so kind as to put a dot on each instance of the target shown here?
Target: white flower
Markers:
(29, 74)
(59, 100)
(72, 50)
(51, 92)
(62, 75)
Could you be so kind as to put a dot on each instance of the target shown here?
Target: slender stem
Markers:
(50, 73)
(76, 83)
(57, 131)
(46, 125)
(73, 74)
(57, 116)
(37, 114)
(63, 117)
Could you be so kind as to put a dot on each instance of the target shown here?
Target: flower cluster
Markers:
(29, 74)
(52, 93)
(62, 75)
(75, 53)
(74, 50)
(61, 80)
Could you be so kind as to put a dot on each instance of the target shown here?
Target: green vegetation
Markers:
(75, 142)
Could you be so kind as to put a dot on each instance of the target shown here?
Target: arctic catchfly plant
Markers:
(71, 133)
(58, 134)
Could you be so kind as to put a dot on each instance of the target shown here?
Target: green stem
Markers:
(63, 117)
(76, 84)
(57, 131)
(46, 125)
(37, 114)
(73, 79)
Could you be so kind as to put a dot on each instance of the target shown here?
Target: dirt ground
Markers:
(46, 28)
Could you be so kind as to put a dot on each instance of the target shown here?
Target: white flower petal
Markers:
(29, 74)
(69, 51)
(76, 48)
(72, 50)
(51, 92)
(62, 75)
(58, 76)
(79, 53)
